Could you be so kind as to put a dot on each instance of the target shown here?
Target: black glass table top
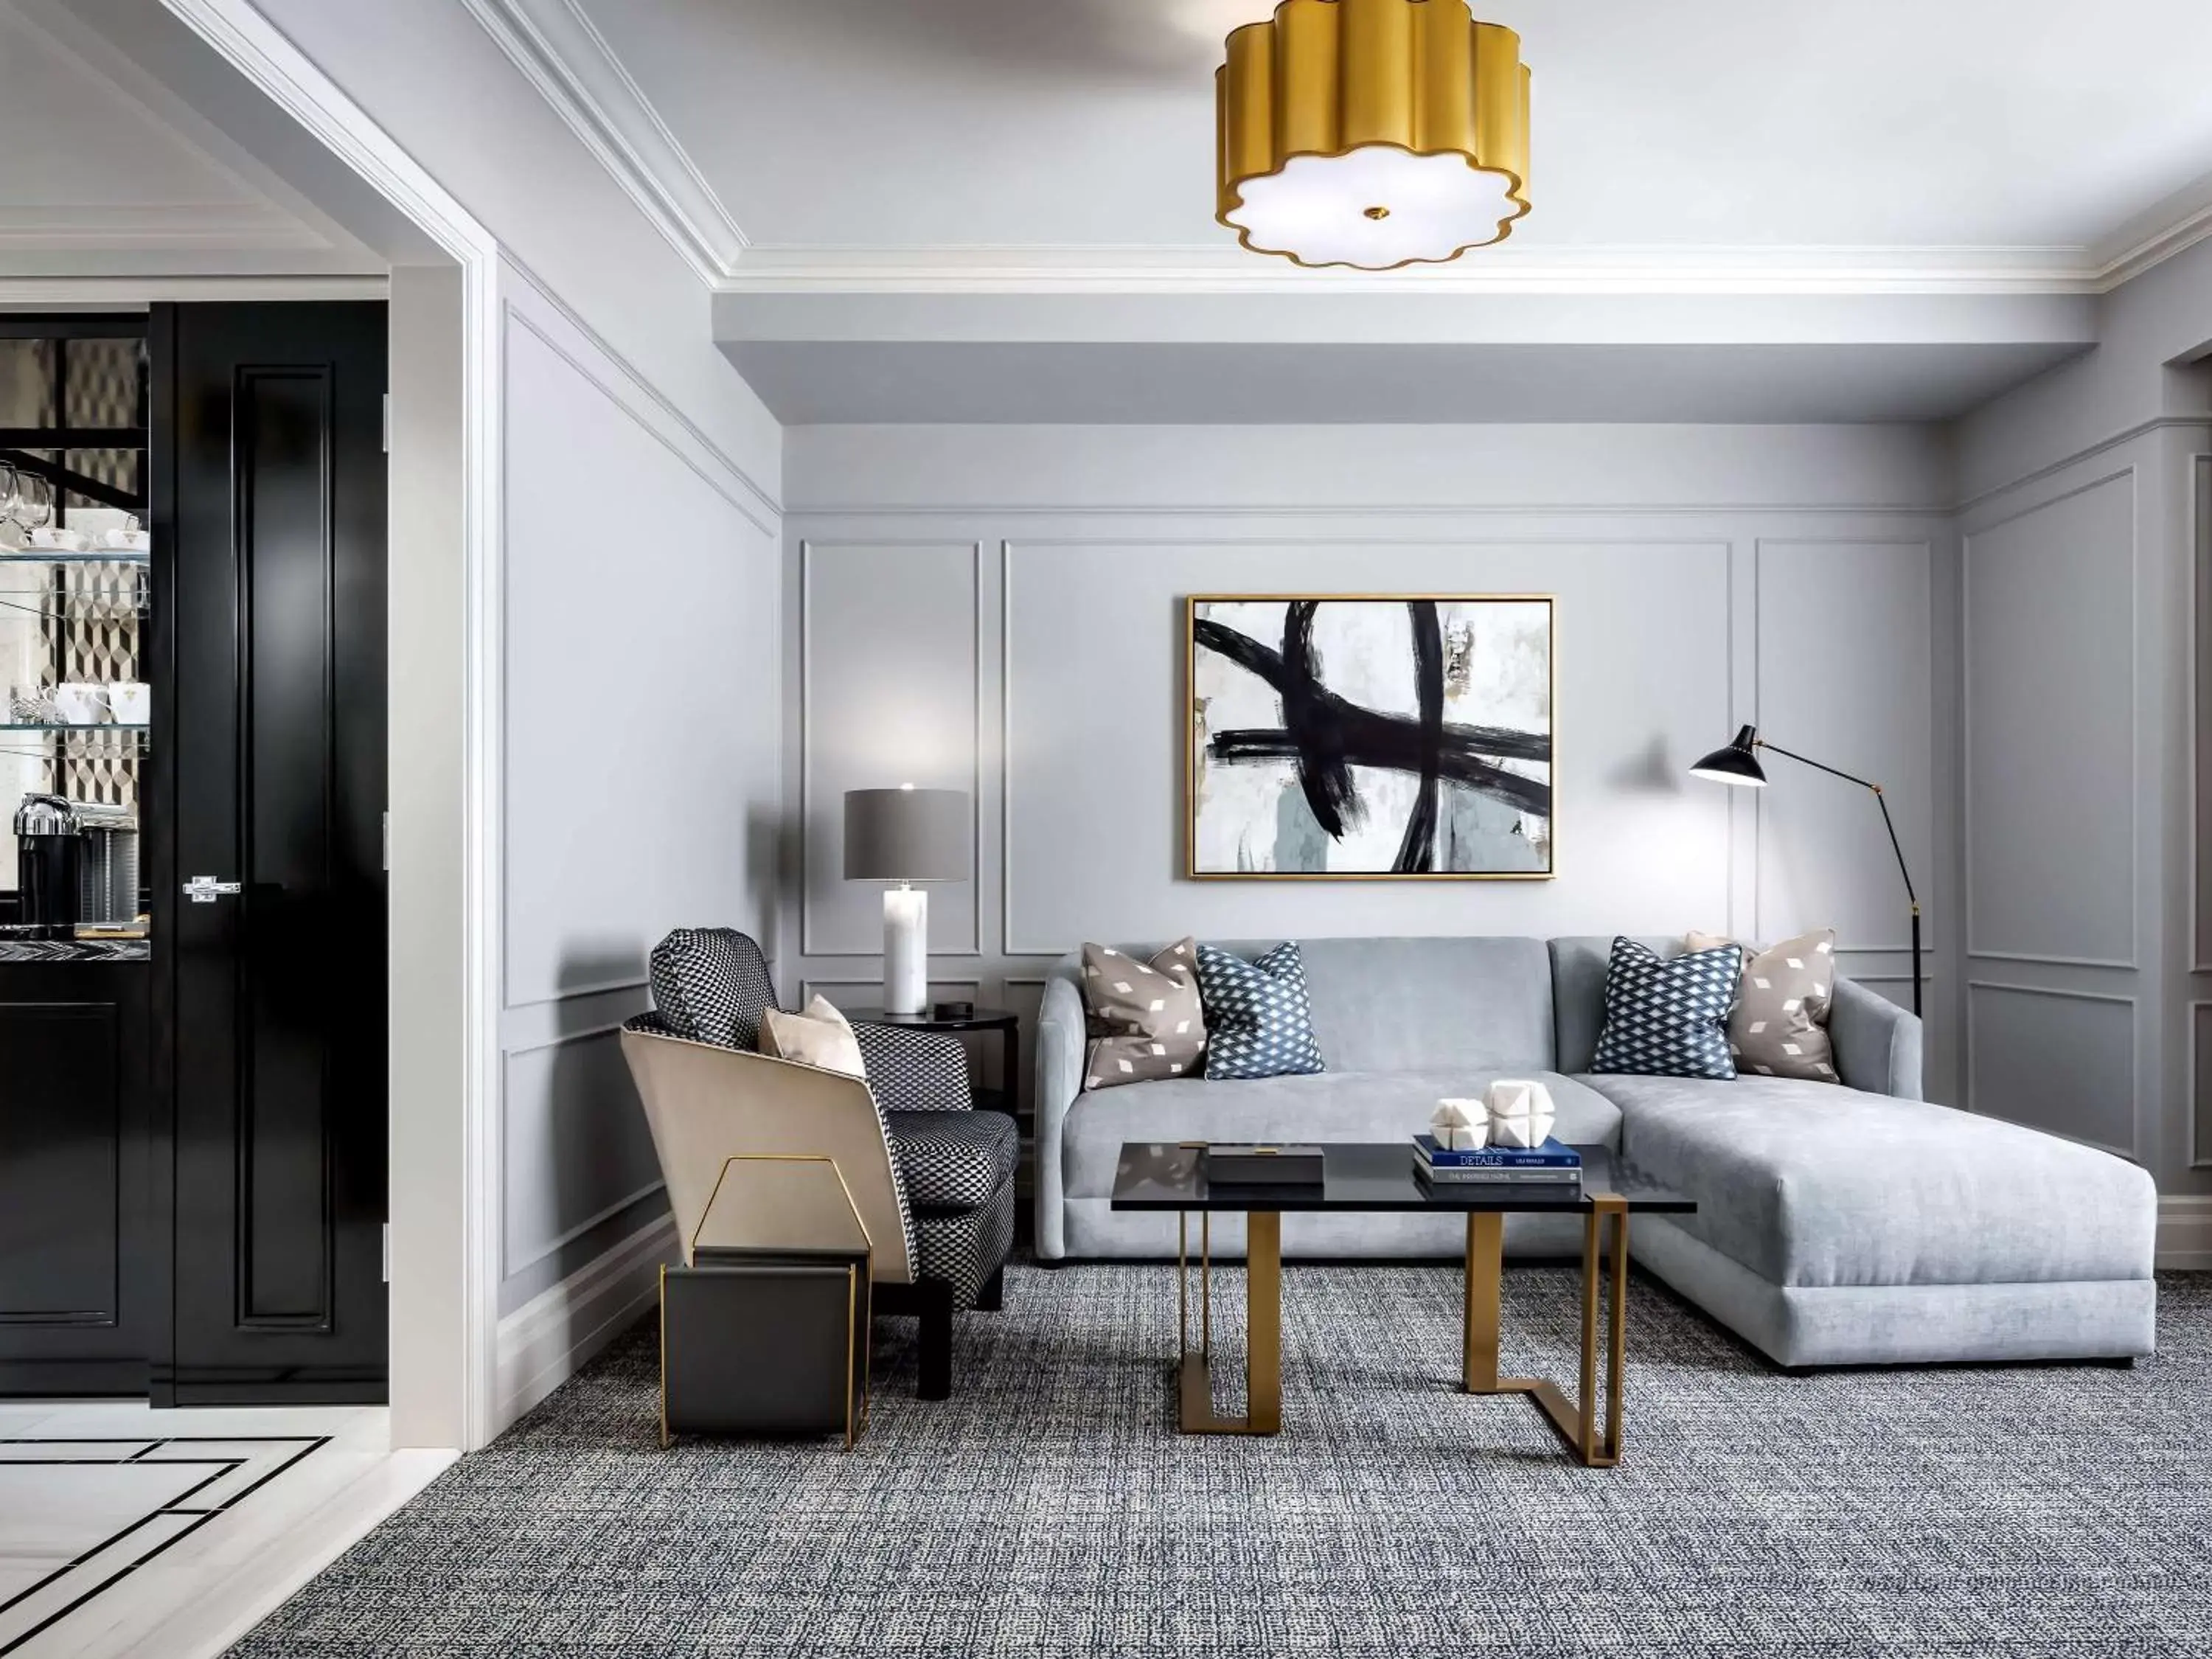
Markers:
(1166, 1174)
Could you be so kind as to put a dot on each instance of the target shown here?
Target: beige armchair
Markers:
(706, 1104)
(932, 1178)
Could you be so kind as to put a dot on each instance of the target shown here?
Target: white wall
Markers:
(998, 609)
(2087, 705)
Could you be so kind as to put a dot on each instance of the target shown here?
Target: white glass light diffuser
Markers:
(1374, 208)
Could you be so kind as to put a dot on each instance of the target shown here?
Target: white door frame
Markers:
(461, 1363)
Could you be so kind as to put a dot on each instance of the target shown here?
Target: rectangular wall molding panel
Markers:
(2055, 1060)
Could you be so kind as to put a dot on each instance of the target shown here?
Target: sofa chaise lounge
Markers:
(1847, 1224)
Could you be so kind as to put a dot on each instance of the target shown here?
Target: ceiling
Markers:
(106, 172)
(1980, 136)
(817, 382)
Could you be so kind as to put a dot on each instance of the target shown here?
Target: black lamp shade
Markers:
(1738, 763)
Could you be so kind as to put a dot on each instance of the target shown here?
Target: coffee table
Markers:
(1368, 1177)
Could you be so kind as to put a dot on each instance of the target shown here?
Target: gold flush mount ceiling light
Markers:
(1372, 133)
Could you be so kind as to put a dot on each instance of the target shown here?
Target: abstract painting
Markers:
(1371, 736)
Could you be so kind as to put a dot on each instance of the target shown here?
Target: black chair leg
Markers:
(992, 1297)
(935, 1297)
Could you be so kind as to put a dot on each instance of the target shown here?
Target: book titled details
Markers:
(1552, 1155)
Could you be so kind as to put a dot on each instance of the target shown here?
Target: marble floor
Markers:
(125, 1530)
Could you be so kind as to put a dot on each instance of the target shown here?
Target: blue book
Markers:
(1553, 1154)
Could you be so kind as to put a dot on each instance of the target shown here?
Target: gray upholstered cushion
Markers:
(1325, 1107)
(1808, 1184)
(1406, 1005)
(1399, 1004)
(1902, 1324)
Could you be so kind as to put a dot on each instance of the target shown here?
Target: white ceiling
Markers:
(104, 171)
(1981, 134)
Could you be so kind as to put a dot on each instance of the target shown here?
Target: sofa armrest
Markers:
(1877, 1042)
(1062, 1032)
(911, 1071)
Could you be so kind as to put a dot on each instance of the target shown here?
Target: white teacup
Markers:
(132, 702)
(78, 702)
(57, 538)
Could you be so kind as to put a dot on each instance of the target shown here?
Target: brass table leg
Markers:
(1577, 1424)
(1263, 1334)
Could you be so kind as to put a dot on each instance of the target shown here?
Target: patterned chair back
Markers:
(711, 984)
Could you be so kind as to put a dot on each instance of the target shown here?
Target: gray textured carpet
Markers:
(1050, 1510)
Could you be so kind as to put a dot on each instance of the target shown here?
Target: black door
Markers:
(269, 475)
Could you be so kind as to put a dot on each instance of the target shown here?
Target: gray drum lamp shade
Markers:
(907, 835)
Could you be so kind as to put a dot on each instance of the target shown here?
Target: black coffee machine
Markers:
(47, 849)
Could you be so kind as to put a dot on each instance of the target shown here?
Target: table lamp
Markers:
(904, 836)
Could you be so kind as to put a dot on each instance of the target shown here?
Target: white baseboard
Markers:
(544, 1342)
(2184, 1232)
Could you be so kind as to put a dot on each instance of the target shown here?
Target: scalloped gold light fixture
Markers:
(1372, 133)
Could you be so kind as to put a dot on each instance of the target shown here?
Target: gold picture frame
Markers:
(1196, 737)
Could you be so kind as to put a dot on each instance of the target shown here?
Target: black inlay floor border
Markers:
(178, 1506)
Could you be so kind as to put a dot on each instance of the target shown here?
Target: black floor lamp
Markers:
(1738, 764)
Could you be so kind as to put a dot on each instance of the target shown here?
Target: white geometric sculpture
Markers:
(1460, 1126)
(1520, 1113)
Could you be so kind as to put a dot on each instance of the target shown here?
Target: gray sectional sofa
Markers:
(1836, 1225)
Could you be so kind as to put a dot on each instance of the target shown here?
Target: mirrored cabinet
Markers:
(76, 600)
(79, 1209)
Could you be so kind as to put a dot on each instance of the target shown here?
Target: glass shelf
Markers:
(60, 555)
(81, 727)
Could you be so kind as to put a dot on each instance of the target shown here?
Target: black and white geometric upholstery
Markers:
(952, 1166)
(954, 1160)
(711, 984)
(964, 1247)
(915, 1071)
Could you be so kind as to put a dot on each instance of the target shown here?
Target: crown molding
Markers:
(569, 61)
(137, 293)
(155, 228)
(2129, 255)
(1225, 269)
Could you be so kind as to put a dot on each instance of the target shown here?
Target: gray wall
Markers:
(998, 609)
(641, 770)
(2088, 989)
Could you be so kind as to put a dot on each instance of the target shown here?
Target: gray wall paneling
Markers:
(640, 771)
(1676, 623)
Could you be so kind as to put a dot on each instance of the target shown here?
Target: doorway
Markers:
(268, 485)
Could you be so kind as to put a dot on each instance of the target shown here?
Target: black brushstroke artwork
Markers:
(1326, 736)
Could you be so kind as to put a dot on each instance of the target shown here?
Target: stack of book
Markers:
(1550, 1165)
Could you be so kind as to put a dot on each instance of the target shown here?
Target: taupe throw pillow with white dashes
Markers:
(1145, 1017)
(1779, 1025)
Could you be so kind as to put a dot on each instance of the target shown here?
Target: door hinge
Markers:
(387, 842)
(387, 422)
(387, 1252)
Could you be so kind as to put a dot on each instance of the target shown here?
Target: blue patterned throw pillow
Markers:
(1258, 1023)
(1669, 1017)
